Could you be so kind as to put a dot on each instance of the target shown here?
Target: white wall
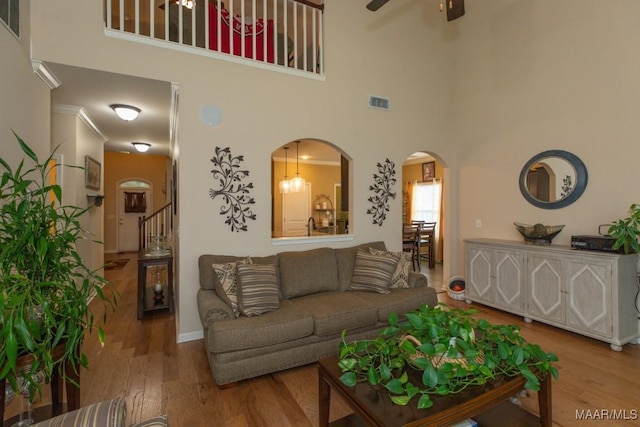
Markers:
(25, 107)
(76, 140)
(401, 53)
(539, 75)
(483, 94)
(24, 98)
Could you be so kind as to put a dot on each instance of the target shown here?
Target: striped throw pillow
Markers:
(372, 272)
(109, 413)
(400, 277)
(257, 289)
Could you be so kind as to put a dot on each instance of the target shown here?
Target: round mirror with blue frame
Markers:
(553, 179)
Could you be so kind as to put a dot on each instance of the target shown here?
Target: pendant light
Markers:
(297, 183)
(285, 184)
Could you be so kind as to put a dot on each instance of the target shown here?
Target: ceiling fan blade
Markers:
(376, 4)
(455, 9)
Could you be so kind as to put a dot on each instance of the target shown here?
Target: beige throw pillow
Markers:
(227, 288)
(400, 277)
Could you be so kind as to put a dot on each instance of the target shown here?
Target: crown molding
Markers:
(47, 76)
(82, 114)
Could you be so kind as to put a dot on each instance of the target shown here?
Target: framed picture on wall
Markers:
(92, 169)
(428, 171)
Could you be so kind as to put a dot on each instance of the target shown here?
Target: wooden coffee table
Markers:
(375, 408)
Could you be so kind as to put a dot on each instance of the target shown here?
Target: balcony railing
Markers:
(285, 34)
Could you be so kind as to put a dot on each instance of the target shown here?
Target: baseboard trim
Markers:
(190, 336)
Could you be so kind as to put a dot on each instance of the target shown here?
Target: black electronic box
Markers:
(594, 243)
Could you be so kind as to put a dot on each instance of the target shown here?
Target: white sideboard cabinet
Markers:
(587, 292)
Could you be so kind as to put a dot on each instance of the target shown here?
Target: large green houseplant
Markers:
(626, 231)
(45, 286)
(448, 348)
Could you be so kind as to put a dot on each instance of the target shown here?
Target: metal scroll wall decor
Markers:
(234, 193)
(382, 183)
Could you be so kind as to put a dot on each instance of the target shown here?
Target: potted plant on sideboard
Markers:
(45, 286)
(626, 231)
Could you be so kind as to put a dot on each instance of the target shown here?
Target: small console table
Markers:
(155, 281)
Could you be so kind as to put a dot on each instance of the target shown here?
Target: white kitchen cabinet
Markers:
(587, 292)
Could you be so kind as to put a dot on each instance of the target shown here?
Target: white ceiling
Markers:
(95, 90)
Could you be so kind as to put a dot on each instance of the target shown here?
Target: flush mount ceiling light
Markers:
(141, 147)
(125, 112)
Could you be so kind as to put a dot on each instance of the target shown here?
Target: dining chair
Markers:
(410, 237)
(426, 243)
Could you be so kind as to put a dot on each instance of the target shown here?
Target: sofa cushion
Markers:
(399, 301)
(307, 272)
(400, 277)
(287, 323)
(336, 311)
(346, 260)
(257, 289)
(372, 272)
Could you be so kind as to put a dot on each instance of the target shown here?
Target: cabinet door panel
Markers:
(509, 279)
(589, 297)
(546, 287)
(479, 267)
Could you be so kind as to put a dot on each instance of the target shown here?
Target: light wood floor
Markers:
(142, 363)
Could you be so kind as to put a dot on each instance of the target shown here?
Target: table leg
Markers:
(432, 252)
(3, 386)
(544, 401)
(141, 279)
(324, 399)
(56, 392)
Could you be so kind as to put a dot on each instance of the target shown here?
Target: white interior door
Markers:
(128, 221)
(296, 210)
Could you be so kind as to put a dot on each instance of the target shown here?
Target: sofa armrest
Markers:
(417, 280)
(212, 308)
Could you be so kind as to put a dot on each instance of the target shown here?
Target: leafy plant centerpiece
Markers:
(449, 347)
(45, 286)
(626, 231)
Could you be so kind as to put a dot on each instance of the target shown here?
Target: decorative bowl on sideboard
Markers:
(538, 234)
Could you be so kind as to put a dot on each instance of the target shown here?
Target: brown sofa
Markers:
(315, 302)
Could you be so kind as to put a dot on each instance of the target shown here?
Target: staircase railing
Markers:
(159, 223)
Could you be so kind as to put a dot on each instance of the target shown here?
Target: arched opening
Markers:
(423, 201)
(135, 200)
(320, 207)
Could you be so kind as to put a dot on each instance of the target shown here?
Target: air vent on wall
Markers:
(379, 102)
